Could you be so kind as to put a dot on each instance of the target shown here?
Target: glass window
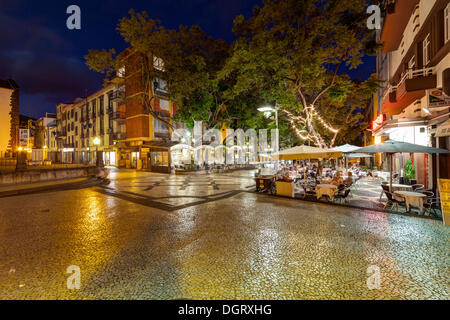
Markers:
(426, 50)
(158, 63)
(447, 22)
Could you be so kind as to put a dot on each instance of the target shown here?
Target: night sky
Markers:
(46, 59)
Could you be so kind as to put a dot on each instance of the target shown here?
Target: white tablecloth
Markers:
(412, 199)
(326, 189)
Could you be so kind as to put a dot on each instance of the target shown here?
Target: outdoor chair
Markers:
(432, 205)
(342, 196)
(429, 194)
(355, 184)
(394, 202)
(384, 183)
(418, 187)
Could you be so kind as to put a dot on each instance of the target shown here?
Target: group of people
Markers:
(293, 172)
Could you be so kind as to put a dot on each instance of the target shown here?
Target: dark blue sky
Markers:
(46, 59)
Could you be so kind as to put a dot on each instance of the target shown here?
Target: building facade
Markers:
(148, 140)
(98, 118)
(9, 116)
(415, 63)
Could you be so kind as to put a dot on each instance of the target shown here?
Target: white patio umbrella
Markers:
(345, 149)
(390, 147)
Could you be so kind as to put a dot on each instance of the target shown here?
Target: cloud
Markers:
(37, 58)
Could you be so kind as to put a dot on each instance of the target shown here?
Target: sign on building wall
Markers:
(444, 190)
(437, 98)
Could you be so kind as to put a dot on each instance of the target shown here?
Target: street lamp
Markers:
(270, 109)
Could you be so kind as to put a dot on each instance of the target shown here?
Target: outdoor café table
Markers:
(326, 189)
(401, 187)
(412, 199)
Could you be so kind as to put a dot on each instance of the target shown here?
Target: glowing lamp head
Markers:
(97, 141)
(20, 149)
(266, 109)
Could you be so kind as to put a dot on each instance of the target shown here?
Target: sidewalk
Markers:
(18, 189)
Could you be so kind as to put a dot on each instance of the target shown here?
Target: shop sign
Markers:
(444, 190)
(378, 122)
(437, 98)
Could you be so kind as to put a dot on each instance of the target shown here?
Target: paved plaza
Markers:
(154, 236)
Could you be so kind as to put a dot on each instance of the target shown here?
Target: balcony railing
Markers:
(409, 75)
(162, 134)
(118, 116)
(118, 136)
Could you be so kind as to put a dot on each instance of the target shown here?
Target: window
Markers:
(158, 63)
(164, 105)
(426, 50)
(160, 127)
(447, 23)
(412, 63)
(121, 72)
(160, 86)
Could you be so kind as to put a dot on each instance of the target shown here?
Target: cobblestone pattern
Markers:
(246, 246)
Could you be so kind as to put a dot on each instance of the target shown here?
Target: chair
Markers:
(384, 183)
(342, 196)
(418, 187)
(429, 194)
(432, 204)
(392, 201)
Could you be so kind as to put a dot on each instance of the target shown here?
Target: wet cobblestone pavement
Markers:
(151, 236)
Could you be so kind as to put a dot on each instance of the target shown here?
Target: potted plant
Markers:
(410, 171)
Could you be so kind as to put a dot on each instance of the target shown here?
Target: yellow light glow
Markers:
(45, 147)
(377, 139)
(97, 141)
(20, 149)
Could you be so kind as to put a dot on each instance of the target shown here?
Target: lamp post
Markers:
(97, 158)
(269, 110)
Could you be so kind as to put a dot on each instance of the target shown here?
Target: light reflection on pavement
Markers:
(153, 236)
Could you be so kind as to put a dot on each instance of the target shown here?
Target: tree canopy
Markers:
(292, 51)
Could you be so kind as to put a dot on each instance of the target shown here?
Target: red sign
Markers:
(378, 122)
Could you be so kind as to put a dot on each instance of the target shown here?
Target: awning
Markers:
(306, 152)
(443, 130)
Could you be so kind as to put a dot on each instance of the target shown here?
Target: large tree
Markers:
(293, 51)
(191, 59)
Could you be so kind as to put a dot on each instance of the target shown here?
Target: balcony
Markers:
(162, 135)
(61, 134)
(398, 13)
(118, 116)
(117, 136)
(411, 87)
(118, 95)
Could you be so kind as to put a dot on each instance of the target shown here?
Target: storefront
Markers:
(411, 131)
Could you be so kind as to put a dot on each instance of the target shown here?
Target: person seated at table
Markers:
(349, 179)
(337, 180)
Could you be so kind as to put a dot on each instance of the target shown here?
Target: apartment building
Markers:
(148, 140)
(415, 63)
(100, 118)
(9, 116)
